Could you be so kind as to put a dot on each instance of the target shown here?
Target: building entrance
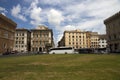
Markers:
(40, 49)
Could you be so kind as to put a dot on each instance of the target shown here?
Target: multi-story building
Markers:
(40, 37)
(76, 39)
(102, 41)
(94, 40)
(82, 39)
(22, 40)
(7, 31)
(113, 32)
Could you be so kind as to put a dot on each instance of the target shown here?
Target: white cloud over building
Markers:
(17, 12)
(67, 14)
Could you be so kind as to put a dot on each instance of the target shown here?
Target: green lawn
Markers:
(61, 67)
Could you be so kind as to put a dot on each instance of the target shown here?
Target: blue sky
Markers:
(60, 15)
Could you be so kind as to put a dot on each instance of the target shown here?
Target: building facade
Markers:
(82, 39)
(102, 41)
(7, 32)
(94, 40)
(76, 39)
(22, 40)
(40, 37)
(113, 32)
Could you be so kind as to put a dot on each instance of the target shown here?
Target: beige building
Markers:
(102, 41)
(113, 32)
(94, 40)
(76, 39)
(22, 40)
(7, 31)
(82, 39)
(40, 37)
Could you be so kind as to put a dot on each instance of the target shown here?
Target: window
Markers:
(69, 43)
(17, 34)
(22, 46)
(16, 46)
(16, 42)
(40, 42)
(22, 42)
(37, 35)
(114, 36)
(16, 38)
(76, 43)
(22, 34)
(47, 35)
(102, 45)
(6, 34)
(4, 45)
(116, 46)
(109, 37)
(73, 42)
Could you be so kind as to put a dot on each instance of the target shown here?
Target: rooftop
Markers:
(112, 17)
(7, 19)
(41, 27)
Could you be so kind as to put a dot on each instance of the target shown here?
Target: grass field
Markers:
(61, 67)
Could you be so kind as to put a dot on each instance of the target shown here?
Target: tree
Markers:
(48, 46)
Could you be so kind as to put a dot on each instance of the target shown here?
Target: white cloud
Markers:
(28, 1)
(68, 27)
(89, 15)
(52, 2)
(105, 9)
(39, 16)
(3, 10)
(17, 12)
(55, 17)
(69, 14)
(35, 13)
(57, 2)
(86, 14)
(3, 14)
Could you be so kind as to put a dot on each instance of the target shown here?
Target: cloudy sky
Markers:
(60, 15)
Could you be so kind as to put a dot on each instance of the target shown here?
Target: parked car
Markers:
(6, 53)
(14, 52)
